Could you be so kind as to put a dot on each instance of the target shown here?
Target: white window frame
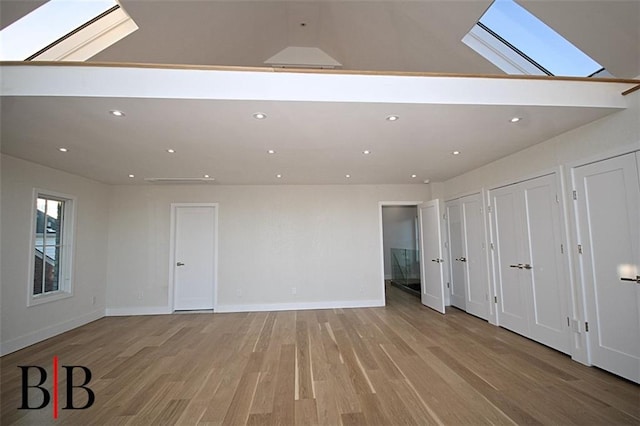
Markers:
(65, 280)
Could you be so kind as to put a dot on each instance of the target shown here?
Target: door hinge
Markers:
(448, 285)
(561, 248)
(575, 194)
(586, 326)
(495, 299)
(488, 209)
(579, 248)
(568, 324)
(444, 216)
(557, 199)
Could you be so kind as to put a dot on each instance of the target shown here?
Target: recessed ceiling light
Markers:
(456, 152)
(116, 113)
(271, 151)
(206, 176)
(347, 176)
(132, 176)
(62, 149)
(414, 176)
(366, 152)
(278, 176)
(259, 116)
(427, 181)
(515, 119)
(393, 118)
(171, 151)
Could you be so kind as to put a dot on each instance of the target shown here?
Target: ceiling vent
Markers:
(302, 57)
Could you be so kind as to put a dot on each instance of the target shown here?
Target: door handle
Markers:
(527, 266)
(179, 264)
(437, 260)
(463, 259)
(636, 279)
(519, 265)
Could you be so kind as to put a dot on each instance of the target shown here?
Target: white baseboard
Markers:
(300, 306)
(138, 310)
(45, 333)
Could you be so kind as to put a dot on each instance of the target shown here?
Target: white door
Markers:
(608, 216)
(431, 266)
(531, 279)
(544, 267)
(456, 255)
(508, 248)
(194, 255)
(474, 255)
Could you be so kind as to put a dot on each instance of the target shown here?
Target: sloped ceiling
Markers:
(316, 142)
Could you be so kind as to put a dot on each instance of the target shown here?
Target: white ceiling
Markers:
(316, 142)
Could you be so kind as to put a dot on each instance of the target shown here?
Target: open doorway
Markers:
(401, 247)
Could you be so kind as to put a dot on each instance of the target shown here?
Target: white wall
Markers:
(621, 129)
(22, 325)
(612, 135)
(398, 224)
(323, 240)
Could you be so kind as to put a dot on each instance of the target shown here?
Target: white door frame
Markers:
(172, 251)
(382, 204)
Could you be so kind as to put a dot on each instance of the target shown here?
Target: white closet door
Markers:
(457, 258)
(608, 216)
(431, 246)
(508, 241)
(544, 273)
(475, 259)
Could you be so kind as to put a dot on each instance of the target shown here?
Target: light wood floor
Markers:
(402, 364)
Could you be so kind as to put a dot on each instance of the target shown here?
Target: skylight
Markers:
(65, 30)
(519, 43)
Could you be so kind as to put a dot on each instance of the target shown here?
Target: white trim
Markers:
(138, 310)
(172, 251)
(462, 195)
(606, 155)
(37, 336)
(525, 177)
(382, 204)
(271, 307)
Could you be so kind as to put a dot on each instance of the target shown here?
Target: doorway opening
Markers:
(401, 247)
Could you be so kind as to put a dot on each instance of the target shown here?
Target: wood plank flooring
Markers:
(398, 365)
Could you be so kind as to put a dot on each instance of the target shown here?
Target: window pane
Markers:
(37, 271)
(537, 40)
(48, 245)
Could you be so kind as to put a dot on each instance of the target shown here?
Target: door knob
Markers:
(463, 259)
(437, 260)
(519, 265)
(179, 264)
(636, 279)
(527, 266)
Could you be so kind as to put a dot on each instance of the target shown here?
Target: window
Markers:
(519, 43)
(52, 247)
(63, 30)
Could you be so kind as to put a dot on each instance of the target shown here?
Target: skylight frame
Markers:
(65, 30)
(518, 42)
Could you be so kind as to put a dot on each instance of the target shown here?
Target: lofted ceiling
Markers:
(316, 142)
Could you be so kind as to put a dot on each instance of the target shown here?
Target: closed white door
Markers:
(531, 278)
(431, 266)
(456, 256)
(508, 248)
(544, 267)
(608, 218)
(474, 255)
(194, 255)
